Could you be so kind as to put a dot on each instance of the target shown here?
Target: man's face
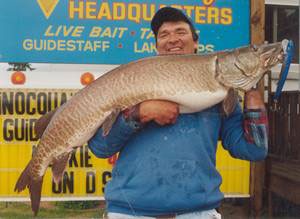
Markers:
(175, 38)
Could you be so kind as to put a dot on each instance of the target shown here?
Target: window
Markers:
(282, 22)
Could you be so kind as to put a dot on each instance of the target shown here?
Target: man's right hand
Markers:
(161, 111)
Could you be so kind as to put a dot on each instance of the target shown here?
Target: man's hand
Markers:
(253, 100)
(162, 112)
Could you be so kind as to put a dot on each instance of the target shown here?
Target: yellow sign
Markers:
(86, 175)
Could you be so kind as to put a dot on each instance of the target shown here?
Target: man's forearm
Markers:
(256, 127)
(106, 145)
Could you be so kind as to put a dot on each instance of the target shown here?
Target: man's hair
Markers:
(169, 14)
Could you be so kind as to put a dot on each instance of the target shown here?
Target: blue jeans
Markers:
(209, 214)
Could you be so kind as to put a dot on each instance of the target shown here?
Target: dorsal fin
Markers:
(42, 123)
(109, 121)
(230, 101)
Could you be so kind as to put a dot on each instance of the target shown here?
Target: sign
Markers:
(86, 175)
(109, 32)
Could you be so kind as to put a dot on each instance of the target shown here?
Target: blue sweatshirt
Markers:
(171, 169)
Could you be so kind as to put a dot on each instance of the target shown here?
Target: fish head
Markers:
(255, 60)
(242, 68)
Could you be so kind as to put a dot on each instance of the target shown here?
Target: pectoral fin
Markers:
(59, 165)
(42, 123)
(230, 101)
(109, 121)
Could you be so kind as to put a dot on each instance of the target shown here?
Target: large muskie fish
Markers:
(195, 82)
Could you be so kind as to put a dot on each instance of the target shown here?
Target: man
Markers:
(166, 165)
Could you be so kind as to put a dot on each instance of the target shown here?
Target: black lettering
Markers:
(30, 97)
(87, 158)
(7, 106)
(42, 103)
(106, 176)
(8, 133)
(84, 157)
(68, 182)
(64, 186)
(73, 160)
(90, 182)
(81, 156)
(31, 103)
(49, 104)
(20, 103)
(56, 100)
(56, 187)
(63, 98)
(19, 129)
(26, 128)
(32, 134)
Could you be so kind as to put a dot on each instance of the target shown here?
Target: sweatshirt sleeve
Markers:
(244, 135)
(121, 131)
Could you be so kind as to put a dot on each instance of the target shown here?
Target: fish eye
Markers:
(254, 47)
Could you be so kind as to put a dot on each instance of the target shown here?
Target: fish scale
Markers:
(195, 82)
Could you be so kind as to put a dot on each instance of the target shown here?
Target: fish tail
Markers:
(34, 185)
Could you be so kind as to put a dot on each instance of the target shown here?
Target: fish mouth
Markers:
(271, 54)
(254, 61)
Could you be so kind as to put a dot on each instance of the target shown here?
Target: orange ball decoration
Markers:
(18, 77)
(87, 78)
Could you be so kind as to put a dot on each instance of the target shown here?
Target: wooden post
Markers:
(258, 168)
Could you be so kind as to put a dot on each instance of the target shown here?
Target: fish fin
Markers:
(42, 123)
(230, 101)
(34, 185)
(35, 190)
(59, 165)
(23, 180)
(109, 121)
